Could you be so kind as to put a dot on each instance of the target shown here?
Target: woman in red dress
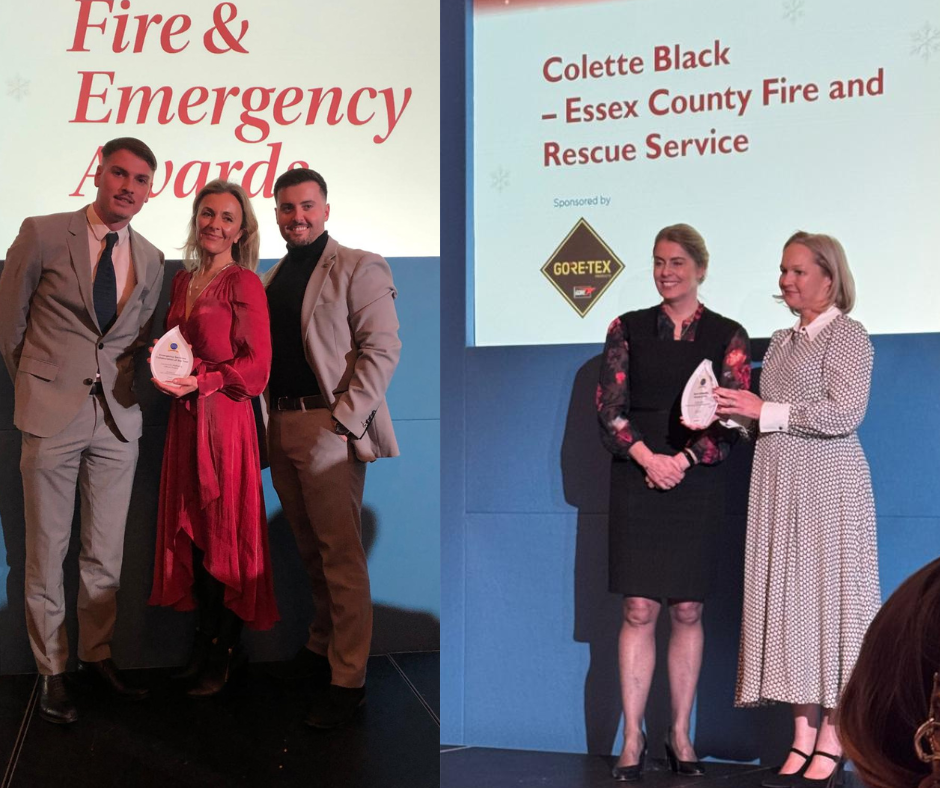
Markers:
(212, 537)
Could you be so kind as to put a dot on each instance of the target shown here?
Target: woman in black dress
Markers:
(665, 512)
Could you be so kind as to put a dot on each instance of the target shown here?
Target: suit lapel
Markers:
(138, 264)
(316, 282)
(138, 260)
(81, 262)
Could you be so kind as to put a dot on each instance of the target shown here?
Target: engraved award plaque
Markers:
(172, 357)
(698, 402)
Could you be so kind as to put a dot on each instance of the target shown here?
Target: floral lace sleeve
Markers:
(714, 444)
(613, 394)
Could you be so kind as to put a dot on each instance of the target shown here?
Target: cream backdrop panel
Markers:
(381, 193)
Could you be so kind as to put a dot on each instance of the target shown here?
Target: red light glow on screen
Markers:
(493, 6)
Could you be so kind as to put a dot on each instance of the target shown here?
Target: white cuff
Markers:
(775, 417)
(742, 424)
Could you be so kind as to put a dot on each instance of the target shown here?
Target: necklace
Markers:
(202, 287)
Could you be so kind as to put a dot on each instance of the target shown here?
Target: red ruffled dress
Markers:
(210, 486)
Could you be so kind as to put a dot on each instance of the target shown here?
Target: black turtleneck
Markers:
(291, 375)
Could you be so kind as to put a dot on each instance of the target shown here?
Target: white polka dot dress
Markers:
(811, 560)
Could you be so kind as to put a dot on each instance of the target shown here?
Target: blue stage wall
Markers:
(453, 466)
(530, 632)
(401, 517)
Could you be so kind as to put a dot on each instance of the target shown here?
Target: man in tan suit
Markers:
(335, 337)
(77, 294)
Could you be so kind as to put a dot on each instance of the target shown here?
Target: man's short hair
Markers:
(300, 175)
(132, 144)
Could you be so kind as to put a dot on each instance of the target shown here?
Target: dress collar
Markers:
(822, 320)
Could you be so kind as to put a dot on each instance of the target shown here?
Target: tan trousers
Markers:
(320, 483)
(87, 453)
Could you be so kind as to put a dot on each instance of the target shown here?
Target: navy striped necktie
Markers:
(105, 289)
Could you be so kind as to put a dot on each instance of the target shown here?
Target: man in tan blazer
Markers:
(77, 294)
(335, 337)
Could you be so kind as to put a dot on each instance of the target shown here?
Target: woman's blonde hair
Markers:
(830, 256)
(245, 250)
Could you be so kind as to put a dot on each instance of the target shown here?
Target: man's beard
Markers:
(310, 238)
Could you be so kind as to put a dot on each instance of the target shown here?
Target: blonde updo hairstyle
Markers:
(689, 239)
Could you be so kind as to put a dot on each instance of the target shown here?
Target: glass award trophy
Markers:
(172, 357)
(698, 402)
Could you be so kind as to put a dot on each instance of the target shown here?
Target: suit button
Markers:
(101, 346)
(88, 381)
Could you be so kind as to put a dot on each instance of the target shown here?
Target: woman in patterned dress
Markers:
(665, 514)
(811, 564)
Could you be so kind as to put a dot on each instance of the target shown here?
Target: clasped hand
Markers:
(664, 471)
(178, 387)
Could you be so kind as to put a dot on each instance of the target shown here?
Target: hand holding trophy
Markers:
(172, 357)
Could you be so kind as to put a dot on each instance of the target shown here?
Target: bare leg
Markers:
(637, 652)
(686, 641)
(827, 740)
(805, 726)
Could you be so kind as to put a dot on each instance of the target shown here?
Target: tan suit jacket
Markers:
(351, 342)
(49, 335)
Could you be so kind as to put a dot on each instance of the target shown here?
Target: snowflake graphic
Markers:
(926, 42)
(499, 180)
(793, 9)
(17, 87)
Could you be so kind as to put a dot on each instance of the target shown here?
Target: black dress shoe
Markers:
(335, 706)
(787, 780)
(306, 664)
(633, 772)
(55, 705)
(835, 776)
(105, 673)
(686, 768)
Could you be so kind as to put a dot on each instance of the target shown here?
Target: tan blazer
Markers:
(351, 342)
(49, 335)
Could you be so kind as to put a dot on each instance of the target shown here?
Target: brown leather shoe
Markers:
(55, 705)
(105, 673)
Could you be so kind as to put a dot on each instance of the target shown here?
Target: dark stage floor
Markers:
(480, 767)
(254, 736)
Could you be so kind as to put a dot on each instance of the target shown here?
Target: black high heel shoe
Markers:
(834, 779)
(686, 768)
(632, 773)
(788, 780)
(217, 673)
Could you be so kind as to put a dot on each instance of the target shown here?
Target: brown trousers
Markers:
(320, 484)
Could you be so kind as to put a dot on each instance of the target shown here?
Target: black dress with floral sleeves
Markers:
(661, 540)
